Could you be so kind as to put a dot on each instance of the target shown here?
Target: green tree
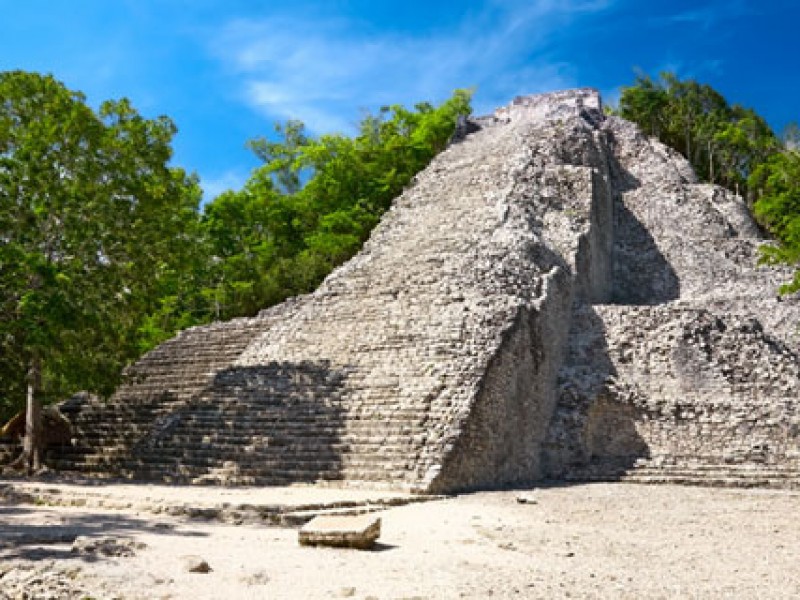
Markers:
(280, 157)
(645, 103)
(314, 202)
(723, 142)
(91, 217)
(777, 182)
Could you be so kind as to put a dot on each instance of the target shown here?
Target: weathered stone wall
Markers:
(693, 374)
(555, 295)
(706, 388)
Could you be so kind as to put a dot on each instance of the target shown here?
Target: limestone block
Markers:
(360, 531)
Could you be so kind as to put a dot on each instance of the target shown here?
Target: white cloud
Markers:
(229, 180)
(322, 72)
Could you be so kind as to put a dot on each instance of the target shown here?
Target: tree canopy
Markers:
(723, 142)
(91, 216)
(777, 183)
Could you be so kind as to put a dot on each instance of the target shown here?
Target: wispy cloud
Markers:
(286, 67)
(708, 16)
(229, 180)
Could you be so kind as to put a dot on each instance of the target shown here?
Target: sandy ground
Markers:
(581, 541)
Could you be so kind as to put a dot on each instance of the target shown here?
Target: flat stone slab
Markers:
(352, 531)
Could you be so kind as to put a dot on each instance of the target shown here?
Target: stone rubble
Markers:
(106, 546)
(31, 581)
(554, 296)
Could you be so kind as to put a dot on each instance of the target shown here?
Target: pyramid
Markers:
(555, 296)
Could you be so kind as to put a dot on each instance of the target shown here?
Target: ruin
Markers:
(555, 296)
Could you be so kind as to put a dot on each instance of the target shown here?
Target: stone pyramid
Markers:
(555, 296)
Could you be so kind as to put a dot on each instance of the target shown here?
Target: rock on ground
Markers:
(360, 531)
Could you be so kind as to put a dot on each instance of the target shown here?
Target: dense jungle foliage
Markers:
(90, 215)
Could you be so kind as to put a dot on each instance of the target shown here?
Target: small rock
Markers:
(195, 564)
(347, 592)
(526, 499)
(507, 546)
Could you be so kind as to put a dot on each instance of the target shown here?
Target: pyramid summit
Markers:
(555, 296)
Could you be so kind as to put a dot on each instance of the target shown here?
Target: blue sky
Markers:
(225, 71)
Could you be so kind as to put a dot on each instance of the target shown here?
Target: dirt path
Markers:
(587, 541)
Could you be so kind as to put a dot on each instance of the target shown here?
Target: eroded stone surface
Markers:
(692, 374)
(43, 581)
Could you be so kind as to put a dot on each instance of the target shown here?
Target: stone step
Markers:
(372, 457)
(718, 471)
(187, 473)
(296, 518)
(240, 430)
(263, 457)
(708, 475)
(721, 480)
(380, 449)
(313, 467)
(256, 422)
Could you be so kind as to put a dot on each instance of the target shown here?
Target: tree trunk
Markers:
(710, 162)
(688, 142)
(31, 459)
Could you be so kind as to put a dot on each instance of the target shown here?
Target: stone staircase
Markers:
(159, 385)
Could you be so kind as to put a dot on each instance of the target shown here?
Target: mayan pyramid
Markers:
(555, 296)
